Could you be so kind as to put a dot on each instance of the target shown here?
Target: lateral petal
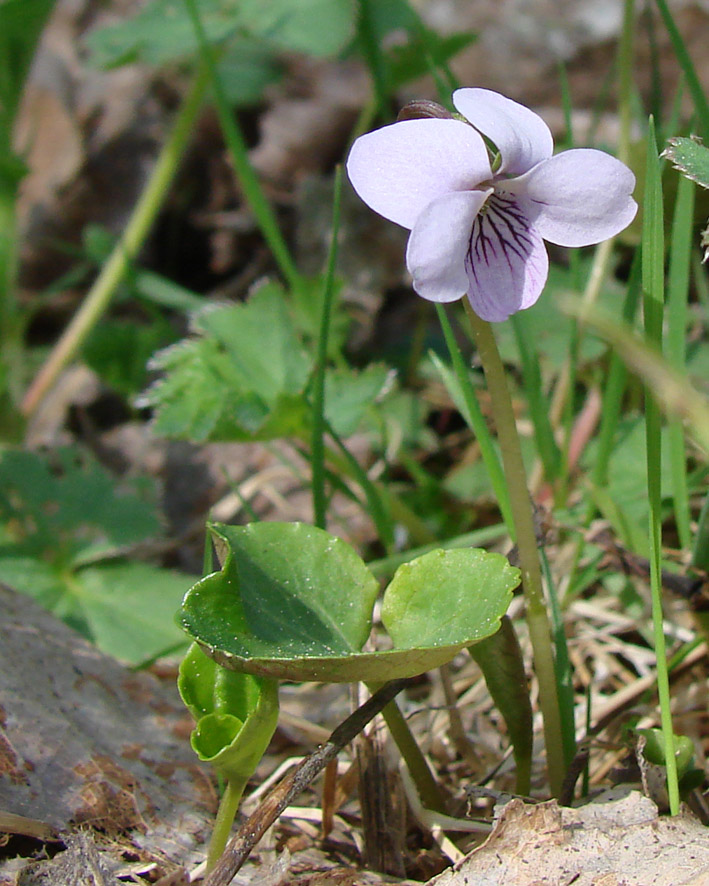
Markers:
(439, 243)
(507, 264)
(578, 197)
(399, 169)
(521, 136)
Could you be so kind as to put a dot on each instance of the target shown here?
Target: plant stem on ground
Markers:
(228, 806)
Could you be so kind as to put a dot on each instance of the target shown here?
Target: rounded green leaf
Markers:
(448, 598)
(293, 603)
(285, 591)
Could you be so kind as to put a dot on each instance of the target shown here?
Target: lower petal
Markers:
(506, 263)
(438, 245)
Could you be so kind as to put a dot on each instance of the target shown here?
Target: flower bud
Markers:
(422, 107)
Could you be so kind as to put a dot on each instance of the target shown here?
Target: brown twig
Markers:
(298, 779)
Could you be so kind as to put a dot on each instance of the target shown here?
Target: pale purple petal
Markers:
(521, 136)
(400, 169)
(439, 244)
(507, 262)
(578, 197)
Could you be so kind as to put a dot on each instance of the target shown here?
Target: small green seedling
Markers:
(292, 602)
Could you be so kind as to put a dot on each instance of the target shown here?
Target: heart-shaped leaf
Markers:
(293, 602)
(236, 714)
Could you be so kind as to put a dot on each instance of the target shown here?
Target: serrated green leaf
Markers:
(349, 394)
(242, 377)
(259, 337)
(690, 157)
(414, 59)
(126, 609)
(247, 68)
(236, 714)
(59, 510)
(293, 602)
(119, 351)
(161, 32)
(57, 522)
(129, 608)
(315, 27)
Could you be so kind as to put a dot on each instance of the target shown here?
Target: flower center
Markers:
(500, 231)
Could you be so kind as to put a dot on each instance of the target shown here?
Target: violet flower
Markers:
(476, 231)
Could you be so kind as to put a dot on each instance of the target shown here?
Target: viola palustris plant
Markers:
(478, 219)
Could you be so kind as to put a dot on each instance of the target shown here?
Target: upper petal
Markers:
(507, 263)
(521, 136)
(399, 169)
(578, 197)
(439, 243)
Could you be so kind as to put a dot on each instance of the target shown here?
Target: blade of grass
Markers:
(500, 659)
(674, 394)
(372, 54)
(562, 664)
(476, 422)
(653, 304)
(657, 93)
(387, 566)
(238, 152)
(701, 106)
(574, 336)
(677, 292)
(700, 552)
(615, 385)
(537, 400)
(699, 278)
(604, 251)
(21, 25)
(377, 508)
(317, 447)
(99, 296)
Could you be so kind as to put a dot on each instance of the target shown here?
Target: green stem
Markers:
(240, 158)
(375, 499)
(604, 250)
(126, 249)
(564, 671)
(678, 289)
(228, 806)
(653, 283)
(387, 566)
(372, 53)
(477, 423)
(11, 355)
(420, 772)
(537, 620)
(317, 451)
